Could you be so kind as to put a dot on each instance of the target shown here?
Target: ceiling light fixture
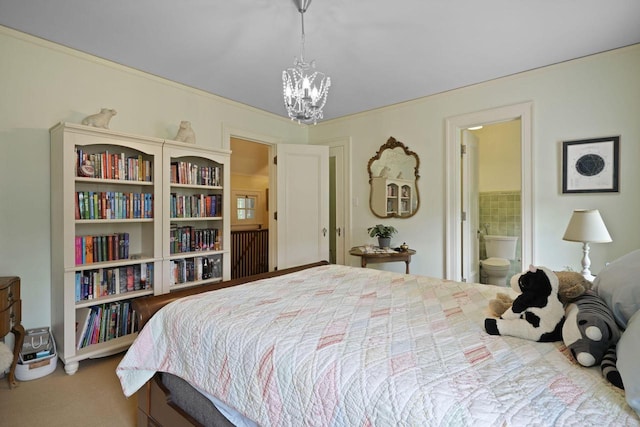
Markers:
(305, 89)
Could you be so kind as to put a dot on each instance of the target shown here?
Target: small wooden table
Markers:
(373, 257)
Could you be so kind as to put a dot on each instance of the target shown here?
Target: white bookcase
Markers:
(195, 224)
(122, 202)
(393, 196)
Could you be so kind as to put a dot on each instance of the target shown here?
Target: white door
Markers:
(470, 201)
(302, 204)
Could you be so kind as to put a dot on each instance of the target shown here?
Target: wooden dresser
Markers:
(11, 318)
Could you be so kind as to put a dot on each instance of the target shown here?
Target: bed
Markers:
(331, 345)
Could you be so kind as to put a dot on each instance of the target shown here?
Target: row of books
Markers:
(193, 174)
(392, 190)
(104, 322)
(196, 268)
(113, 205)
(101, 248)
(118, 166)
(92, 284)
(190, 239)
(195, 206)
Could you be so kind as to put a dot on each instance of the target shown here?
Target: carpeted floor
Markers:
(90, 397)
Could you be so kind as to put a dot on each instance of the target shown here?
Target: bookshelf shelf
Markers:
(112, 264)
(112, 221)
(197, 218)
(114, 298)
(112, 181)
(192, 254)
(106, 348)
(199, 187)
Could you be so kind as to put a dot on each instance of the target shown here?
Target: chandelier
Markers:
(305, 89)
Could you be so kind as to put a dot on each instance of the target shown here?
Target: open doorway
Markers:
(456, 231)
(494, 194)
(249, 208)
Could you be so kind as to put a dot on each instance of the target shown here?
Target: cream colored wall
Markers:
(499, 157)
(585, 98)
(42, 84)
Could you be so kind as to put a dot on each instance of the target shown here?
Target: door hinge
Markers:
(275, 215)
(464, 216)
(463, 149)
(275, 160)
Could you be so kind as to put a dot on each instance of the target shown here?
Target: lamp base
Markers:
(586, 263)
(590, 277)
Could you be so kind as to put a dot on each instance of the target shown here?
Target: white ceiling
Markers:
(377, 52)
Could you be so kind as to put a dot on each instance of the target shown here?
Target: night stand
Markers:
(10, 319)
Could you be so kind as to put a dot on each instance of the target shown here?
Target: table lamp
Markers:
(586, 226)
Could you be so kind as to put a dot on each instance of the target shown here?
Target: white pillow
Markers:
(619, 285)
(628, 350)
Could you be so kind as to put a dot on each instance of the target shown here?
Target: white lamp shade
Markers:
(586, 225)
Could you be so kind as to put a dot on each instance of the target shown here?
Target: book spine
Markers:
(78, 286)
(88, 250)
(130, 279)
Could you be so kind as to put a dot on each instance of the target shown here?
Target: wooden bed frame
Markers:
(156, 407)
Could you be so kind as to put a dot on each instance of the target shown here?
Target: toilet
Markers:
(500, 249)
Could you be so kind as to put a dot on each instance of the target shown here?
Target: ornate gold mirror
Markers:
(393, 176)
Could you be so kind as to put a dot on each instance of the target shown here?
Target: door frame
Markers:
(453, 227)
(231, 132)
(343, 190)
(470, 271)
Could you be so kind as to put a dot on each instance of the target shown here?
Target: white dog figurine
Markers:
(101, 119)
(185, 133)
(384, 172)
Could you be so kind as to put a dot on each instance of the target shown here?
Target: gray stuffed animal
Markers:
(589, 329)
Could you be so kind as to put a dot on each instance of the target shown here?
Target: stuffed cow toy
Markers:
(537, 313)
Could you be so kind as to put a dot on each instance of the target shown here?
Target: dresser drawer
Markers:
(10, 316)
(9, 291)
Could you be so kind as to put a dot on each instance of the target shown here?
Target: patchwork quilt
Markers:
(344, 346)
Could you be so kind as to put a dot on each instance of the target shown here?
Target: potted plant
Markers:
(383, 233)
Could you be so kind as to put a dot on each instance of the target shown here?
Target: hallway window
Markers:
(246, 207)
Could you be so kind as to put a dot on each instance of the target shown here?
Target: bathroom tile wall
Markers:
(500, 214)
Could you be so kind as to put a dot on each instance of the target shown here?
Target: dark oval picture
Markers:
(590, 165)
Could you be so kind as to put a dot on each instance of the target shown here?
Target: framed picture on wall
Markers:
(590, 165)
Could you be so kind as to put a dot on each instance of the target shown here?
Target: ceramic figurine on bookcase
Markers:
(185, 133)
(101, 119)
